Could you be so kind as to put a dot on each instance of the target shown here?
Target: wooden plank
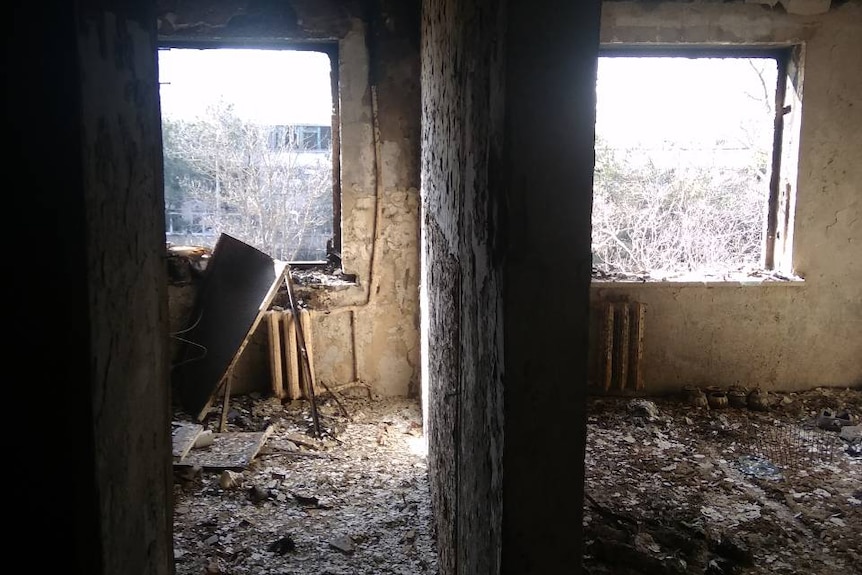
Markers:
(775, 176)
(300, 340)
(234, 450)
(609, 345)
(624, 342)
(275, 367)
(638, 318)
(183, 438)
(225, 402)
(291, 355)
(308, 336)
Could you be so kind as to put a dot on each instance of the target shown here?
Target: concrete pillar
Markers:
(552, 48)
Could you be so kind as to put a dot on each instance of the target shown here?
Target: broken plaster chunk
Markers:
(644, 409)
(343, 543)
(229, 479)
(851, 433)
(205, 439)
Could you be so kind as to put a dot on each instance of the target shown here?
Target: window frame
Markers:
(786, 56)
(331, 49)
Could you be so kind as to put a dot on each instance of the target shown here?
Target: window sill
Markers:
(686, 284)
(729, 279)
(318, 275)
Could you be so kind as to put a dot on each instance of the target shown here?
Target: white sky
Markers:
(649, 100)
(642, 101)
(266, 86)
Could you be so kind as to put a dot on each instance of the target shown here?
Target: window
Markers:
(688, 163)
(300, 137)
(248, 148)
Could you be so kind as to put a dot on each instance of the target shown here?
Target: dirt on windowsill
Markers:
(746, 275)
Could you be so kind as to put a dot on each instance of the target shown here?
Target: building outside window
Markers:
(248, 148)
(688, 162)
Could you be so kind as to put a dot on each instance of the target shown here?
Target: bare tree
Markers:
(252, 182)
(687, 207)
(672, 218)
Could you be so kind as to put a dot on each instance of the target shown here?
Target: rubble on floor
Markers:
(677, 487)
(672, 487)
(354, 501)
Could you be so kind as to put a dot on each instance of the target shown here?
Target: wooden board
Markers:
(291, 355)
(183, 437)
(275, 366)
(233, 450)
(238, 288)
(308, 336)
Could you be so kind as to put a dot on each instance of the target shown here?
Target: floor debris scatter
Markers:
(678, 488)
(354, 501)
(672, 486)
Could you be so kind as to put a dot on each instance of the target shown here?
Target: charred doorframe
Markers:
(788, 59)
(331, 49)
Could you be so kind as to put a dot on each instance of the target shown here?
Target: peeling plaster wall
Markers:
(777, 336)
(368, 332)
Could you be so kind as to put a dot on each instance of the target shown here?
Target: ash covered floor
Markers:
(687, 489)
(355, 501)
(681, 489)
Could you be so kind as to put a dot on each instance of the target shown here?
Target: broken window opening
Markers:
(695, 164)
(251, 147)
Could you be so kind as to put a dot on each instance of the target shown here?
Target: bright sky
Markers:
(639, 100)
(655, 99)
(266, 86)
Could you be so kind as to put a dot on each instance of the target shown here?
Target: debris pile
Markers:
(674, 485)
(342, 503)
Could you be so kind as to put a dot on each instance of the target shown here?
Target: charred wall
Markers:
(462, 111)
(83, 128)
(508, 126)
(778, 336)
(367, 332)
